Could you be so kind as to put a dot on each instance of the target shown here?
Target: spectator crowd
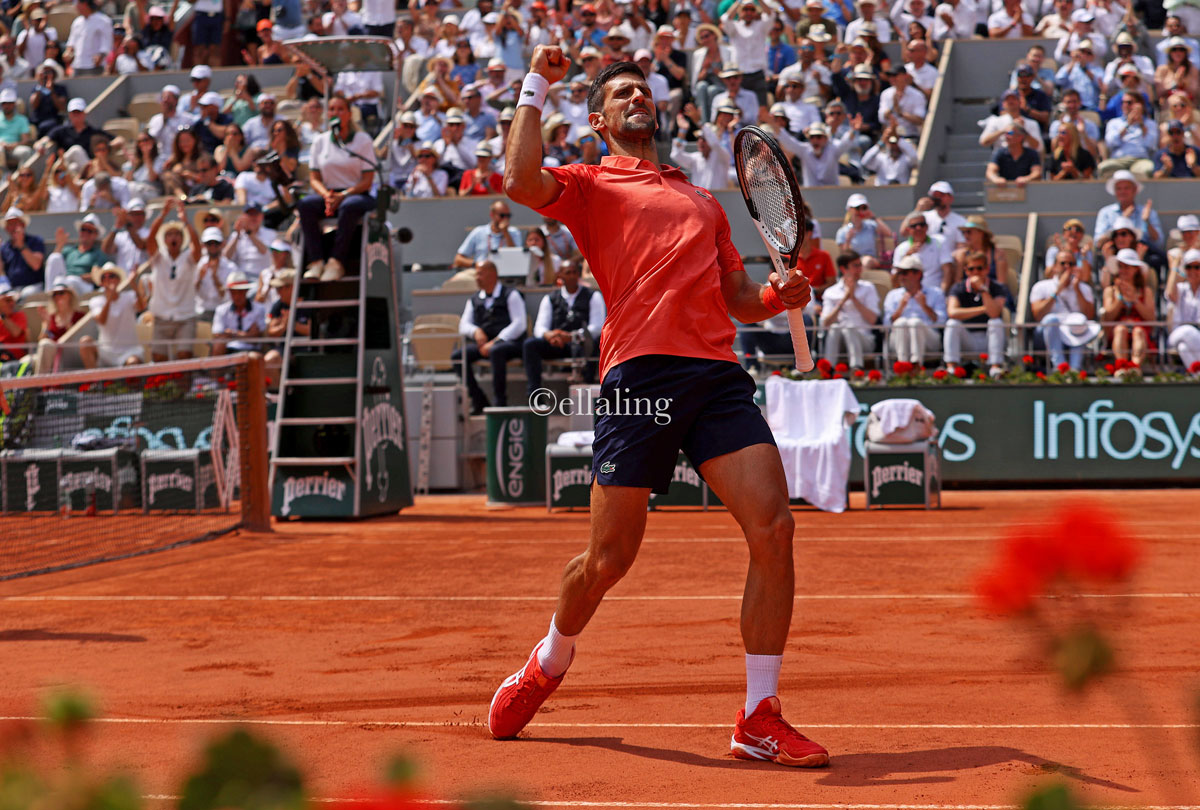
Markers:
(1109, 101)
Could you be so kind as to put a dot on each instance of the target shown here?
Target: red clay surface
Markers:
(350, 642)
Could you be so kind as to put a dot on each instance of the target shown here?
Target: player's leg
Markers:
(618, 523)
(751, 484)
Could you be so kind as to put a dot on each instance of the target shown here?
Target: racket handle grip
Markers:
(804, 360)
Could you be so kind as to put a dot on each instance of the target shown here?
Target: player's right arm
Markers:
(525, 181)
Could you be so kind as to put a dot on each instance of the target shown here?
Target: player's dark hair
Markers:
(596, 92)
(847, 258)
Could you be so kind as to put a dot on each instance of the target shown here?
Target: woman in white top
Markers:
(63, 190)
(341, 175)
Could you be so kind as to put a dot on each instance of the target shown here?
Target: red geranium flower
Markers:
(842, 367)
(776, 373)
(839, 376)
(859, 373)
(1027, 360)
(960, 372)
(1063, 368)
(902, 367)
(1041, 375)
(983, 357)
(1083, 375)
(825, 375)
(981, 376)
(1194, 368)
(874, 375)
(939, 374)
(1110, 368)
(824, 365)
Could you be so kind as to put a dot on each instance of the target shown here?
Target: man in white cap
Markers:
(1065, 291)
(1183, 295)
(31, 42)
(1188, 226)
(747, 28)
(164, 125)
(914, 312)
(16, 133)
(127, 239)
(429, 116)
(819, 157)
(1010, 22)
(22, 256)
(975, 316)
(955, 19)
(115, 312)
(212, 273)
(943, 220)
(1081, 32)
(90, 40)
(210, 129)
(1127, 55)
(172, 284)
(866, 14)
(257, 130)
(104, 190)
(454, 148)
(201, 79)
(892, 159)
(77, 132)
(709, 166)
(239, 318)
(401, 156)
(48, 101)
(249, 246)
(1125, 187)
(735, 94)
(73, 263)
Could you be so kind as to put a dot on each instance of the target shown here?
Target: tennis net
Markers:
(106, 464)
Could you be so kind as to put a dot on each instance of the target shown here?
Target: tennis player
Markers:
(661, 250)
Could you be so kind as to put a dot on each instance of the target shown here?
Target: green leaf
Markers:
(402, 771)
(1081, 656)
(241, 771)
(1052, 797)
(68, 710)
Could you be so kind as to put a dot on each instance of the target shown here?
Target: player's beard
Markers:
(641, 128)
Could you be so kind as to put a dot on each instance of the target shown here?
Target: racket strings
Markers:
(767, 186)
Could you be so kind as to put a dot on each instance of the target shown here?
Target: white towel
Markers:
(894, 414)
(576, 438)
(809, 421)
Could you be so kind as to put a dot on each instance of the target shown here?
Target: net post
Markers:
(256, 500)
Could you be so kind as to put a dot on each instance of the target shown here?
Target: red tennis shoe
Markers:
(766, 735)
(519, 697)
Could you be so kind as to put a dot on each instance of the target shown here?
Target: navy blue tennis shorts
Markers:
(653, 406)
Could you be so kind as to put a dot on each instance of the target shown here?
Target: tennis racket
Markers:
(773, 198)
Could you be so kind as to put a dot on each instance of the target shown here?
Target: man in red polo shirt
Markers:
(660, 249)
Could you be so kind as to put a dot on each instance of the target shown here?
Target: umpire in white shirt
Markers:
(913, 312)
(568, 324)
(492, 326)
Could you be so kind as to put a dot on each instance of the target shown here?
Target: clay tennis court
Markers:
(349, 642)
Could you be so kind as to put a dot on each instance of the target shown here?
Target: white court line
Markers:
(740, 805)
(211, 721)
(548, 598)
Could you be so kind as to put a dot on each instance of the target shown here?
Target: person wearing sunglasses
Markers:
(1183, 295)
(974, 317)
(1064, 292)
(74, 263)
(488, 238)
(1075, 238)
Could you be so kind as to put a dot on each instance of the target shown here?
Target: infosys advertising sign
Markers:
(1115, 433)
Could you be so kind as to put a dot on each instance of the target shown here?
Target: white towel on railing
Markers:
(809, 419)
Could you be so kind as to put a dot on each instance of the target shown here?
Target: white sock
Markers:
(555, 654)
(762, 679)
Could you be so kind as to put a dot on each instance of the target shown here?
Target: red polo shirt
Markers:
(659, 247)
(7, 338)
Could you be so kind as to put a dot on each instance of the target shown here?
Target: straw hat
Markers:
(198, 220)
(976, 222)
(284, 278)
(553, 123)
(99, 271)
(1077, 330)
(69, 290)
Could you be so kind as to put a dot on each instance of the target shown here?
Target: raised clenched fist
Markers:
(550, 62)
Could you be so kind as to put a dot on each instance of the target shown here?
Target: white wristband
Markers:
(533, 91)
